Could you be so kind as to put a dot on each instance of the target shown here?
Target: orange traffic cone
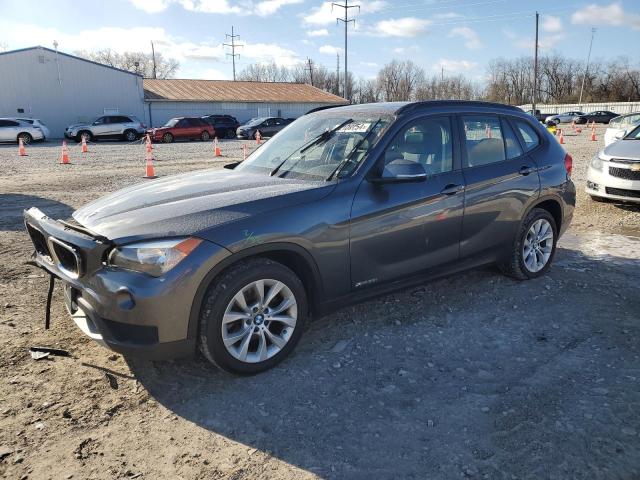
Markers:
(150, 172)
(216, 148)
(244, 151)
(148, 143)
(593, 134)
(21, 150)
(84, 144)
(258, 137)
(561, 138)
(64, 158)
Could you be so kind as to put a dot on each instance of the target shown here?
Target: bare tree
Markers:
(137, 62)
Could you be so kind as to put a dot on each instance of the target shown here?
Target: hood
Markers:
(79, 125)
(193, 202)
(625, 149)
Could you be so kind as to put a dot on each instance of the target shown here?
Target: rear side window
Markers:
(4, 123)
(529, 135)
(511, 143)
(483, 140)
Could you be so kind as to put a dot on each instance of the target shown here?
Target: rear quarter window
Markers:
(529, 135)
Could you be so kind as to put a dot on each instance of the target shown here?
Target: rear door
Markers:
(501, 181)
(401, 229)
(8, 131)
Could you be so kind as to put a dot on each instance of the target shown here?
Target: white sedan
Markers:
(614, 173)
(37, 123)
(12, 130)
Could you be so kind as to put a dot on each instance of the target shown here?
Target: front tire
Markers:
(130, 135)
(84, 133)
(534, 246)
(204, 136)
(252, 317)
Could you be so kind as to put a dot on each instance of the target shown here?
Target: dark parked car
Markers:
(601, 116)
(267, 126)
(345, 204)
(225, 125)
(191, 128)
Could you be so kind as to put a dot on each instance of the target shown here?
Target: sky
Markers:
(442, 36)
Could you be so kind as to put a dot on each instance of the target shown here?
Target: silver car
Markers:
(565, 117)
(614, 173)
(119, 127)
(38, 124)
(12, 130)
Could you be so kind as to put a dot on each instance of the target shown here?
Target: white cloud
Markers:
(544, 41)
(472, 41)
(406, 50)
(369, 64)
(612, 14)
(400, 27)
(151, 6)
(454, 66)
(322, 32)
(551, 24)
(245, 7)
(510, 34)
(329, 49)
(325, 14)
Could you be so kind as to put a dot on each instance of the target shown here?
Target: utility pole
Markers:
(337, 74)
(233, 53)
(310, 67)
(153, 57)
(593, 32)
(534, 94)
(346, 21)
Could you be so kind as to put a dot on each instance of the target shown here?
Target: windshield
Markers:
(633, 134)
(255, 121)
(319, 146)
(171, 123)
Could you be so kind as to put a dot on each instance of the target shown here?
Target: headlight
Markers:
(596, 163)
(153, 257)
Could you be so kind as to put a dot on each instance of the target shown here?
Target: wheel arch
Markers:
(551, 204)
(291, 255)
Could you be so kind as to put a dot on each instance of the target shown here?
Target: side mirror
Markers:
(619, 135)
(401, 170)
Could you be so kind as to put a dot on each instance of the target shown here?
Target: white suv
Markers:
(125, 127)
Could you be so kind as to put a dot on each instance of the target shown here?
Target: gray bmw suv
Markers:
(344, 204)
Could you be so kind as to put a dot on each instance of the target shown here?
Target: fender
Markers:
(253, 251)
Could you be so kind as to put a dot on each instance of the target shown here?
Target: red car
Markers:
(183, 127)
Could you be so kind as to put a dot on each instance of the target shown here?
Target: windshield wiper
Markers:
(348, 157)
(324, 136)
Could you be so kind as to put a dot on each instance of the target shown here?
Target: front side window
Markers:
(100, 121)
(426, 141)
(171, 123)
(483, 140)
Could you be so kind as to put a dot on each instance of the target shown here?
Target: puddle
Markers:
(610, 247)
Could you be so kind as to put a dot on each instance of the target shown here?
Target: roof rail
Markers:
(445, 103)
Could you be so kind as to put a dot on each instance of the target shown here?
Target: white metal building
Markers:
(244, 100)
(62, 89)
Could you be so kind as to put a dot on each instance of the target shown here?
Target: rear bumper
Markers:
(126, 311)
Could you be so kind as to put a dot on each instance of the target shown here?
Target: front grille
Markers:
(624, 173)
(39, 242)
(621, 192)
(67, 256)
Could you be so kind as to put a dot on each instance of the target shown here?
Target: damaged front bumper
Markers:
(126, 311)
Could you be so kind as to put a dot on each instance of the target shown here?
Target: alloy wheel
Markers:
(538, 245)
(259, 320)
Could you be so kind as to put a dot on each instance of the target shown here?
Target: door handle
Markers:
(525, 170)
(452, 189)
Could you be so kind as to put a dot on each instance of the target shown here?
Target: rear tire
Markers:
(253, 323)
(26, 138)
(516, 265)
(130, 135)
(167, 138)
(230, 134)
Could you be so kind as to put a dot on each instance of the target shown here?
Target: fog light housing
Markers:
(592, 186)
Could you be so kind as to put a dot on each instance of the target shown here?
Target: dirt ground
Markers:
(473, 376)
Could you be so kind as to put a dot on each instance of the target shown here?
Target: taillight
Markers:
(568, 164)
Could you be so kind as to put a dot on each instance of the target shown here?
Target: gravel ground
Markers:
(473, 376)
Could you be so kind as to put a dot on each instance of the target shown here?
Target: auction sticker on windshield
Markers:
(355, 127)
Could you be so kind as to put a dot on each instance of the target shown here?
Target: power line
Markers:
(346, 21)
(233, 53)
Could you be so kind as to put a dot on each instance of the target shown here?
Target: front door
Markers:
(400, 229)
(501, 180)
